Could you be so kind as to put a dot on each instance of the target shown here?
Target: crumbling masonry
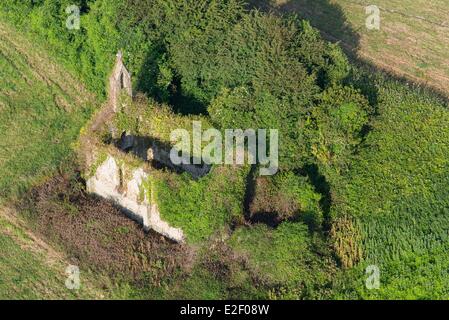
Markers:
(106, 171)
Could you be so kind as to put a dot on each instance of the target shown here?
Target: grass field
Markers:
(30, 269)
(41, 111)
(412, 40)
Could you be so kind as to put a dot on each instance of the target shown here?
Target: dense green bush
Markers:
(278, 84)
(304, 194)
(396, 190)
(258, 70)
(339, 119)
(285, 259)
(202, 207)
(415, 276)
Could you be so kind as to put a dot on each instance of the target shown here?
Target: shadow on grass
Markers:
(328, 18)
(331, 20)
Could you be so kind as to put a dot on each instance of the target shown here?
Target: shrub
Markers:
(201, 208)
(395, 191)
(339, 118)
(325, 60)
(285, 258)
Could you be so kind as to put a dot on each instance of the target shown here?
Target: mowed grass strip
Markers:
(42, 109)
(24, 275)
(29, 269)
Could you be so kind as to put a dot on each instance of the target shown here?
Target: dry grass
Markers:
(97, 235)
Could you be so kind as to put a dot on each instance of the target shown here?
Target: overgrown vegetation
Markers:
(202, 207)
(288, 260)
(362, 157)
(395, 191)
(41, 111)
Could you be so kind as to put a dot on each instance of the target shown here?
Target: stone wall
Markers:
(119, 80)
(149, 150)
(112, 179)
(110, 182)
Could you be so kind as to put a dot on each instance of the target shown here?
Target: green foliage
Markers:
(39, 119)
(277, 86)
(244, 109)
(304, 194)
(396, 189)
(105, 28)
(197, 34)
(339, 118)
(285, 258)
(415, 276)
(18, 10)
(291, 197)
(204, 206)
(190, 53)
(325, 60)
